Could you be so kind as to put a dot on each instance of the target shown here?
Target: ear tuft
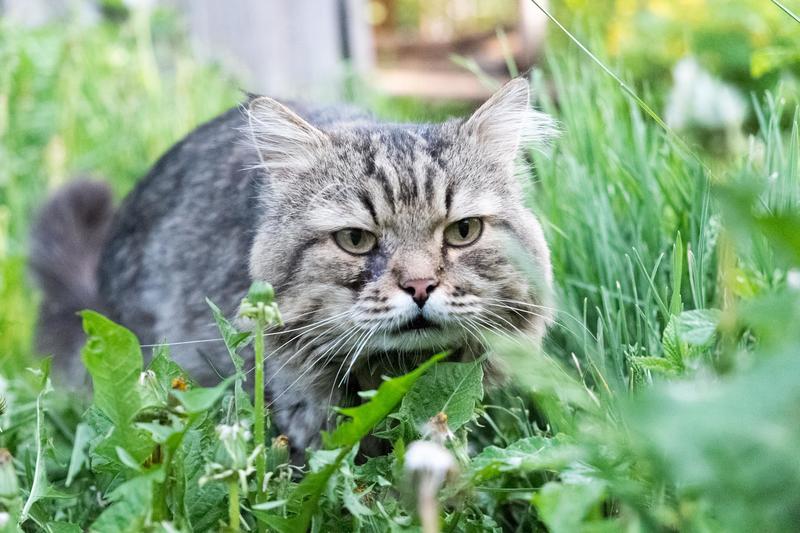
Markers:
(284, 141)
(506, 121)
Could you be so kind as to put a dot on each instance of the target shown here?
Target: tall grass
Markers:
(99, 101)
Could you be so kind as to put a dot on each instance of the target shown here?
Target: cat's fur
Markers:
(258, 195)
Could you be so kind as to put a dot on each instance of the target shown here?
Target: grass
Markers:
(666, 396)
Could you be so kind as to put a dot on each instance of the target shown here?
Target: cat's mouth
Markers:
(417, 324)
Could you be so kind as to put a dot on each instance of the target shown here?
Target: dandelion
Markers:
(147, 377)
(430, 464)
(234, 439)
(179, 383)
(793, 279)
(260, 307)
(437, 430)
(698, 99)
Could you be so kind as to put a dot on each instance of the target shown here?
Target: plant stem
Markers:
(233, 505)
(258, 394)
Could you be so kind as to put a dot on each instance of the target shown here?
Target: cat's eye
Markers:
(464, 232)
(355, 241)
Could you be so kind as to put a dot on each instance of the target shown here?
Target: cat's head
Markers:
(401, 238)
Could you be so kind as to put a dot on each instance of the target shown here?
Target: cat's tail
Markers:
(66, 242)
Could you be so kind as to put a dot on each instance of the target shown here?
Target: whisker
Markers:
(309, 368)
(300, 349)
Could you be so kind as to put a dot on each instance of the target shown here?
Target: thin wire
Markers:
(786, 10)
(625, 87)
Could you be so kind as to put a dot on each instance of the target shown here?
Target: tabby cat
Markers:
(385, 243)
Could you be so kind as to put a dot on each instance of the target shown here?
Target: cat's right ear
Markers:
(285, 142)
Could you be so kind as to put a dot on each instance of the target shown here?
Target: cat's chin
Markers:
(417, 337)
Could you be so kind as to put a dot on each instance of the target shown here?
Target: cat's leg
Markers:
(302, 407)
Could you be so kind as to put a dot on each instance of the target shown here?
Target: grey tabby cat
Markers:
(385, 243)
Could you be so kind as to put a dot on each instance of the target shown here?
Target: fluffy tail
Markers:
(66, 242)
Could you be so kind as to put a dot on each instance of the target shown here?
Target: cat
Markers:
(385, 244)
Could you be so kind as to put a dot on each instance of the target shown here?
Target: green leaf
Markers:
(522, 456)
(203, 506)
(303, 501)
(165, 368)
(657, 364)
(114, 360)
(697, 327)
(83, 435)
(40, 485)
(131, 505)
(201, 399)
(675, 304)
(564, 506)
(234, 339)
(62, 527)
(365, 416)
(161, 433)
(451, 388)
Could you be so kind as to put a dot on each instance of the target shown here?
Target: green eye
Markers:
(464, 232)
(355, 241)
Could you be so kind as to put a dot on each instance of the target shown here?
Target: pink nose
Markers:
(419, 289)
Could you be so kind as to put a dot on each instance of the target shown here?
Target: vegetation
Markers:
(665, 397)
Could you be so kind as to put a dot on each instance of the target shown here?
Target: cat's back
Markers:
(184, 233)
(186, 213)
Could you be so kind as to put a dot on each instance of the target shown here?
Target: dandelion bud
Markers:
(278, 453)
(261, 292)
(260, 305)
(437, 430)
(234, 439)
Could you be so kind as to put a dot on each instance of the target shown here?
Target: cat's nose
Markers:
(419, 289)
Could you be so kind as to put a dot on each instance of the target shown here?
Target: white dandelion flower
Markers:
(793, 279)
(430, 464)
(698, 99)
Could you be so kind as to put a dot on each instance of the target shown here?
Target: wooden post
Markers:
(283, 48)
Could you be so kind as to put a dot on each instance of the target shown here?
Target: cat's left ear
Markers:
(506, 121)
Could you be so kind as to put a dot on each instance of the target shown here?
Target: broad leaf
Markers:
(202, 505)
(201, 399)
(302, 503)
(697, 327)
(522, 456)
(451, 388)
(132, 503)
(114, 360)
(564, 506)
(364, 417)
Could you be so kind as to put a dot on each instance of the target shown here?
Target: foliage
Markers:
(664, 397)
(750, 43)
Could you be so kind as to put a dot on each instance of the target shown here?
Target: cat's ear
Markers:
(284, 141)
(507, 121)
